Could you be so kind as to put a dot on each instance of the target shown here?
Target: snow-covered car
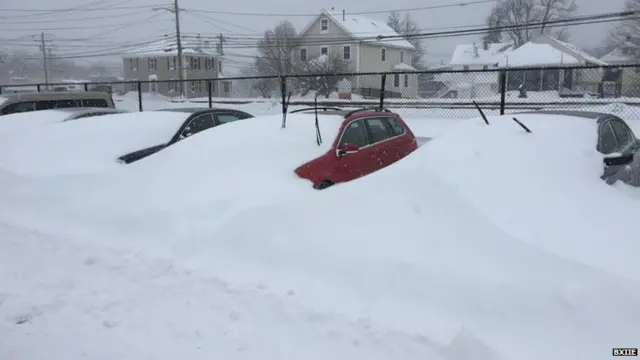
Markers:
(96, 143)
(196, 120)
(25, 120)
(615, 140)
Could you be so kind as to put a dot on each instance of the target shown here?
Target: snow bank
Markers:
(86, 145)
(543, 187)
(213, 247)
(15, 124)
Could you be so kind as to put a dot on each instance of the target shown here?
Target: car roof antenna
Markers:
(522, 125)
(484, 117)
(318, 135)
(285, 108)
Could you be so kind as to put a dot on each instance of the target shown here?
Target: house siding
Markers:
(194, 79)
(364, 58)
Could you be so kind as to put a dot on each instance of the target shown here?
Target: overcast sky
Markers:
(136, 28)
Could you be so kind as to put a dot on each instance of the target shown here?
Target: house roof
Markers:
(616, 56)
(168, 47)
(475, 54)
(363, 29)
(541, 52)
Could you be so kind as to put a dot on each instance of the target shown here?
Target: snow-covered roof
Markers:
(475, 54)
(363, 28)
(542, 52)
(169, 47)
(617, 56)
(403, 67)
(581, 53)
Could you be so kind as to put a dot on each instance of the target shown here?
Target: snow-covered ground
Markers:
(486, 243)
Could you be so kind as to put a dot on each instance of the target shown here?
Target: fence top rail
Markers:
(345, 74)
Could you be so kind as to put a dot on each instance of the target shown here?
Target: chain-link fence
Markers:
(414, 94)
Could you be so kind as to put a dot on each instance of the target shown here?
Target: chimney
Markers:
(343, 15)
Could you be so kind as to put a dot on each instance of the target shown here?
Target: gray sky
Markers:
(136, 28)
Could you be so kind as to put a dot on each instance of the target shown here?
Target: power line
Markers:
(57, 12)
(434, 7)
(74, 20)
(103, 26)
(583, 20)
(52, 11)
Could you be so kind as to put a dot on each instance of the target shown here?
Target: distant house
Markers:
(354, 39)
(479, 56)
(475, 56)
(624, 81)
(159, 62)
(547, 51)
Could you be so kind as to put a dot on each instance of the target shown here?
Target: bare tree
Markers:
(275, 49)
(519, 13)
(320, 74)
(407, 28)
(628, 30)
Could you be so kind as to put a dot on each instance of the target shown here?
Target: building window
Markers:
(134, 64)
(153, 63)
(383, 54)
(396, 80)
(227, 86)
(173, 85)
(193, 86)
(346, 52)
(303, 54)
(134, 85)
(466, 67)
(171, 62)
(406, 80)
(324, 25)
(402, 56)
(324, 50)
(208, 63)
(485, 67)
(195, 63)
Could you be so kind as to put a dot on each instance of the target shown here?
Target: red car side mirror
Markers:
(348, 148)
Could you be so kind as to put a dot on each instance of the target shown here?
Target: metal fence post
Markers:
(383, 85)
(139, 95)
(210, 90)
(283, 90)
(503, 90)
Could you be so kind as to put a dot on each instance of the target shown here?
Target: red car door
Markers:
(382, 141)
(353, 165)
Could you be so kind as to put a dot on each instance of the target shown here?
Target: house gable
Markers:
(360, 28)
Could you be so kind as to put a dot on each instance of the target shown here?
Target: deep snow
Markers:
(191, 253)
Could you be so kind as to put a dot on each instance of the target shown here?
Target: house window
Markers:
(383, 54)
(134, 64)
(153, 63)
(485, 67)
(402, 56)
(406, 80)
(346, 52)
(396, 80)
(195, 63)
(208, 63)
(324, 25)
(219, 66)
(303, 54)
(171, 63)
(466, 67)
(193, 86)
(324, 50)
(173, 85)
(227, 86)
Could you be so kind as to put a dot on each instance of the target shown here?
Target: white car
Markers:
(27, 120)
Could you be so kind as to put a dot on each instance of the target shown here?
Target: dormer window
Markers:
(324, 25)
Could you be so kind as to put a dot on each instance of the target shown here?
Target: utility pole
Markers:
(175, 9)
(43, 48)
(221, 41)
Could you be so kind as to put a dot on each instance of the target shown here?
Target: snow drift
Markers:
(213, 247)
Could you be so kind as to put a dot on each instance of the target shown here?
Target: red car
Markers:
(368, 140)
